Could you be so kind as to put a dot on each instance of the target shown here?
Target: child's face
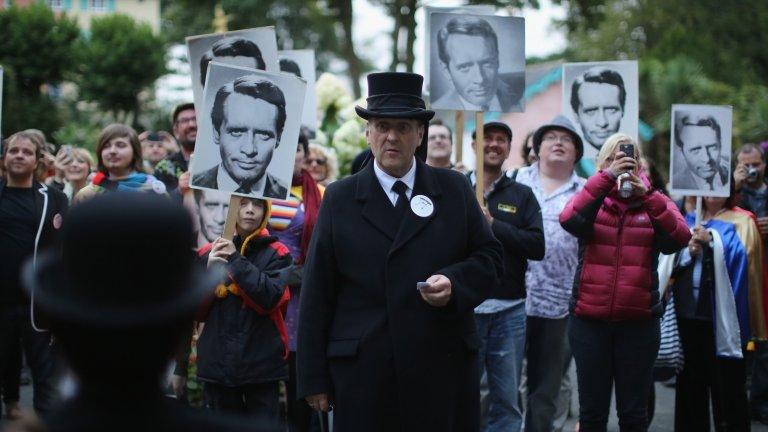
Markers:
(250, 214)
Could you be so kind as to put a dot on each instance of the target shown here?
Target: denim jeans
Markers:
(502, 345)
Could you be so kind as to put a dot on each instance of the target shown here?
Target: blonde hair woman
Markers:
(321, 164)
(615, 306)
(73, 166)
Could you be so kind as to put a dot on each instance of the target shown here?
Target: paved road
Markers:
(662, 422)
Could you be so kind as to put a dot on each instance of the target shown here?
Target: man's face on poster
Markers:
(247, 137)
(701, 150)
(212, 208)
(473, 67)
(599, 112)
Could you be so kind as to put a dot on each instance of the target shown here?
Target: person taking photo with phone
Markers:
(615, 305)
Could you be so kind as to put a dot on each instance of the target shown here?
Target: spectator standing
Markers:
(514, 215)
(241, 370)
(73, 166)
(120, 166)
(31, 215)
(153, 149)
(322, 164)
(293, 221)
(557, 148)
(171, 169)
(614, 327)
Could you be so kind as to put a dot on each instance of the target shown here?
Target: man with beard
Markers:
(173, 170)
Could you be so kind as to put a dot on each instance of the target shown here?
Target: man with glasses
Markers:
(173, 170)
(553, 180)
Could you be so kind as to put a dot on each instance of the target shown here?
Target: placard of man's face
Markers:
(701, 150)
(599, 112)
(473, 67)
(247, 137)
(212, 207)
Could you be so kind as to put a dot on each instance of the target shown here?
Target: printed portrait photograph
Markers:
(248, 132)
(700, 150)
(601, 99)
(476, 62)
(302, 64)
(211, 208)
(254, 48)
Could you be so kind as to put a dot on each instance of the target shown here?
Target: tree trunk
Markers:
(344, 8)
(396, 14)
(410, 22)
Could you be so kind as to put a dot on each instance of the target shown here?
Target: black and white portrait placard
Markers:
(700, 154)
(254, 48)
(248, 131)
(1, 101)
(476, 62)
(429, 10)
(211, 209)
(302, 64)
(601, 98)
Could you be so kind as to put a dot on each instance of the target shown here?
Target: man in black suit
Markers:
(400, 256)
(248, 117)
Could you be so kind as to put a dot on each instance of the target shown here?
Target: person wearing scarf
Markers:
(614, 327)
(717, 285)
(120, 165)
(243, 348)
(292, 222)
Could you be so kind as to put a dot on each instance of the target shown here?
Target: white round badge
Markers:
(422, 206)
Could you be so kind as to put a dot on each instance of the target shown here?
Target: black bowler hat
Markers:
(126, 260)
(395, 95)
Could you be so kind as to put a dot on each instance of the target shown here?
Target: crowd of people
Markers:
(390, 299)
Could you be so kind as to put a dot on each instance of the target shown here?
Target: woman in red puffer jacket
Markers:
(614, 328)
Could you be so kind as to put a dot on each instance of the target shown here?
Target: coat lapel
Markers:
(412, 223)
(377, 209)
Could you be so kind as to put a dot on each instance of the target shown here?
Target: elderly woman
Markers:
(614, 328)
(321, 164)
(120, 165)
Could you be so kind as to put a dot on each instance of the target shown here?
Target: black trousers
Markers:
(10, 375)
(255, 400)
(545, 351)
(614, 353)
(706, 377)
(299, 413)
(758, 392)
(15, 326)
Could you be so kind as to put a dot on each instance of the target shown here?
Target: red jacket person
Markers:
(386, 355)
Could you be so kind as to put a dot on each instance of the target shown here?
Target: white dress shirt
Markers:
(387, 181)
(228, 184)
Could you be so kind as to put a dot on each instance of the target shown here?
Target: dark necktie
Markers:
(402, 199)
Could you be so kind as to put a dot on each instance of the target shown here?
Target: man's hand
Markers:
(319, 402)
(438, 293)
(762, 224)
(621, 164)
(179, 385)
(184, 183)
(487, 214)
(700, 238)
(739, 176)
(221, 250)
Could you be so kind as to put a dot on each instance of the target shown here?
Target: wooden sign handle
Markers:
(234, 209)
(459, 136)
(479, 144)
(699, 211)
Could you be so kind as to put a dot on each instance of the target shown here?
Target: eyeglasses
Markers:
(320, 162)
(186, 120)
(563, 139)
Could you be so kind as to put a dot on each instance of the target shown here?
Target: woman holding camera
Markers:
(622, 224)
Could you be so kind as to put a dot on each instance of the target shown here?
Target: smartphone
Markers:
(628, 150)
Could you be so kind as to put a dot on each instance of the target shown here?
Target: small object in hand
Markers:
(625, 186)
(422, 285)
(628, 150)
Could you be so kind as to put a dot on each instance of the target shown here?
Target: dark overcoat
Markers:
(389, 360)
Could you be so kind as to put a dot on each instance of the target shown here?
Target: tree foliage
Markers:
(119, 60)
(689, 51)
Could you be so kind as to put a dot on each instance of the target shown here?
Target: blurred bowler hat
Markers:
(125, 260)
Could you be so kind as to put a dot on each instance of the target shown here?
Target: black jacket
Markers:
(51, 207)
(239, 346)
(366, 337)
(518, 226)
